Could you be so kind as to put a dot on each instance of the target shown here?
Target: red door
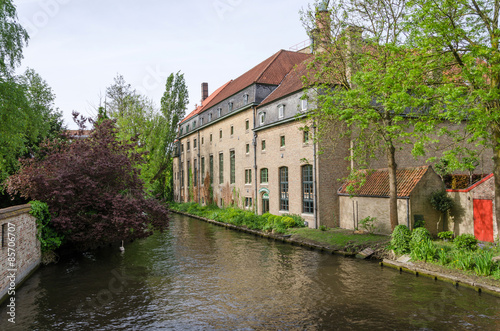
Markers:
(483, 219)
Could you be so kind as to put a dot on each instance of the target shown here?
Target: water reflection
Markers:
(198, 276)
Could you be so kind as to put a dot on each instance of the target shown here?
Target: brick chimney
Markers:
(321, 35)
(204, 91)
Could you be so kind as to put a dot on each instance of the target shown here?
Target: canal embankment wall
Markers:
(20, 252)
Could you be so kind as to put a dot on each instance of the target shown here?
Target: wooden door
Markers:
(483, 219)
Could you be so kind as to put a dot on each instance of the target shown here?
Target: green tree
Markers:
(370, 81)
(13, 37)
(155, 130)
(463, 38)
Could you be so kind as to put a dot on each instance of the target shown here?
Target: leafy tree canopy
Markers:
(92, 187)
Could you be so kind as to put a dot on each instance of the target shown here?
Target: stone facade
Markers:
(20, 251)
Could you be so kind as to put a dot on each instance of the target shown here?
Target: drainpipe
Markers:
(315, 183)
(256, 194)
(408, 212)
(199, 168)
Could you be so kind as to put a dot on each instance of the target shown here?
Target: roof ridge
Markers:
(269, 64)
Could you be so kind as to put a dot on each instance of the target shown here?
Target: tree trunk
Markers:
(496, 173)
(393, 196)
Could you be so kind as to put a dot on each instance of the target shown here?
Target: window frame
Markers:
(232, 167)
(221, 168)
(307, 179)
(282, 141)
(248, 176)
(284, 189)
(264, 176)
(281, 111)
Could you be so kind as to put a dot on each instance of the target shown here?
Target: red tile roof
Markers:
(377, 182)
(203, 105)
(291, 84)
(271, 71)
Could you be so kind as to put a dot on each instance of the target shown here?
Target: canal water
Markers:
(197, 276)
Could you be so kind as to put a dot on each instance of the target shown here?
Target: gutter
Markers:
(315, 183)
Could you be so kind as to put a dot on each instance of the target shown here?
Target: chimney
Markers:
(204, 91)
(321, 35)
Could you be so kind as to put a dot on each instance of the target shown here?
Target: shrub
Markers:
(483, 263)
(463, 260)
(400, 239)
(465, 241)
(92, 188)
(423, 250)
(323, 227)
(48, 237)
(446, 235)
(443, 257)
(419, 235)
(367, 224)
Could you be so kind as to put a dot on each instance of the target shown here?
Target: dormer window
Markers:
(281, 111)
(219, 112)
(187, 128)
(304, 104)
(245, 98)
(209, 117)
(201, 121)
(194, 124)
(262, 117)
(230, 106)
(182, 130)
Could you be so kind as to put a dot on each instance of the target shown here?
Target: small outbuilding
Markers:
(473, 210)
(371, 199)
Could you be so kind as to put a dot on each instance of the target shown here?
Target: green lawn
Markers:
(339, 238)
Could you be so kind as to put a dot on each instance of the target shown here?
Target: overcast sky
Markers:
(79, 46)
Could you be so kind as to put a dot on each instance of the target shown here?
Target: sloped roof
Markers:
(292, 83)
(377, 182)
(204, 103)
(271, 71)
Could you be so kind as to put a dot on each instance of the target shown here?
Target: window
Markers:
(210, 137)
(194, 143)
(211, 168)
(305, 137)
(202, 169)
(202, 140)
(209, 117)
(182, 174)
(248, 176)
(195, 174)
(281, 111)
(282, 141)
(188, 173)
(264, 176)
(194, 124)
(221, 168)
(307, 189)
(283, 174)
(220, 134)
(263, 145)
(245, 98)
(230, 106)
(304, 104)
(247, 125)
(182, 130)
(232, 130)
(248, 202)
(188, 146)
(262, 117)
(219, 112)
(232, 167)
(182, 148)
(201, 121)
(187, 128)
(247, 148)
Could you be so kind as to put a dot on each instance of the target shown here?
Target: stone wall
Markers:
(20, 253)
